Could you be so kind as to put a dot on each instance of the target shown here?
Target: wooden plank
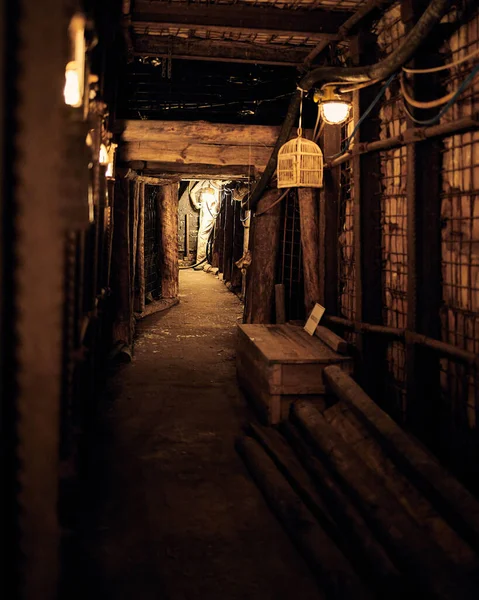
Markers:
(332, 340)
(196, 171)
(141, 251)
(219, 51)
(197, 131)
(322, 554)
(457, 505)
(184, 153)
(228, 238)
(288, 344)
(168, 240)
(257, 19)
(422, 559)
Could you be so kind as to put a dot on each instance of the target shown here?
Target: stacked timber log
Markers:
(373, 513)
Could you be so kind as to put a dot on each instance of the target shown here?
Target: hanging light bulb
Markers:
(334, 109)
(75, 69)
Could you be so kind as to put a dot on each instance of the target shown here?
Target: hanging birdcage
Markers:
(300, 162)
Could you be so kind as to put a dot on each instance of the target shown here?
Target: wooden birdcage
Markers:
(300, 164)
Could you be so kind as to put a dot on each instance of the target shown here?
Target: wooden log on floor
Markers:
(336, 343)
(365, 549)
(309, 223)
(416, 505)
(452, 500)
(335, 573)
(262, 271)
(421, 560)
(279, 304)
(286, 461)
(120, 265)
(168, 242)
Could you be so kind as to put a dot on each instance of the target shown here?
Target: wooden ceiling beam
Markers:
(244, 19)
(193, 171)
(198, 132)
(219, 51)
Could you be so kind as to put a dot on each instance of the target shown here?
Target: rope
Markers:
(455, 63)
(274, 204)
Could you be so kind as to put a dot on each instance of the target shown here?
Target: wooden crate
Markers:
(276, 363)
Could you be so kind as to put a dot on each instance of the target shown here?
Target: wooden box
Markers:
(276, 363)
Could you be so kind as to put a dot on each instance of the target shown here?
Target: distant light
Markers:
(208, 195)
(103, 157)
(109, 170)
(75, 69)
(335, 112)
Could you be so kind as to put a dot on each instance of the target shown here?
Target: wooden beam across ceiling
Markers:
(196, 143)
(243, 19)
(220, 51)
(193, 171)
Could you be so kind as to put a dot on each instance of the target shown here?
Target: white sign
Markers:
(314, 319)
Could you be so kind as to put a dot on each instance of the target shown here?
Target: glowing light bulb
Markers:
(335, 112)
(103, 157)
(72, 90)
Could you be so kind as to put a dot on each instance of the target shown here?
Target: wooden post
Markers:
(120, 263)
(367, 235)
(218, 244)
(309, 222)
(424, 292)
(238, 242)
(134, 216)
(168, 243)
(279, 303)
(141, 250)
(261, 273)
(329, 225)
(228, 237)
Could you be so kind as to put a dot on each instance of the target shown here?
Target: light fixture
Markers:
(103, 156)
(75, 69)
(334, 108)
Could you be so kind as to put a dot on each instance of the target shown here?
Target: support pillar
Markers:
(261, 273)
(168, 242)
(309, 222)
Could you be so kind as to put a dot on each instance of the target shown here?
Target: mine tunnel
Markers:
(240, 299)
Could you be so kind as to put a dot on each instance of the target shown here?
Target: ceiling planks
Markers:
(240, 18)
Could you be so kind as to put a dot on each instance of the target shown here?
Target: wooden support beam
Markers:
(228, 238)
(262, 271)
(151, 17)
(424, 292)
(186, 153)
(196, 171)
(219, 51)
(309, 223)
(329, 225)
(141, 251)
(120, 264)
(201, 132)
(168, 239)
(367, 233)
(238, 243)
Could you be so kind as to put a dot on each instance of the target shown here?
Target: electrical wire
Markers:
(455, 63)
(360, 86)
(444, 110)
(419, 104)
(274, 204)
(350, 138)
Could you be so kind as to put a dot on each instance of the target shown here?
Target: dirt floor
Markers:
(172, 511)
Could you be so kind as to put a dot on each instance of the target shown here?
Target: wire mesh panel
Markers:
(290, 268)
(394, 266)
(152, 271)
(460, 256)
(346, 259)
